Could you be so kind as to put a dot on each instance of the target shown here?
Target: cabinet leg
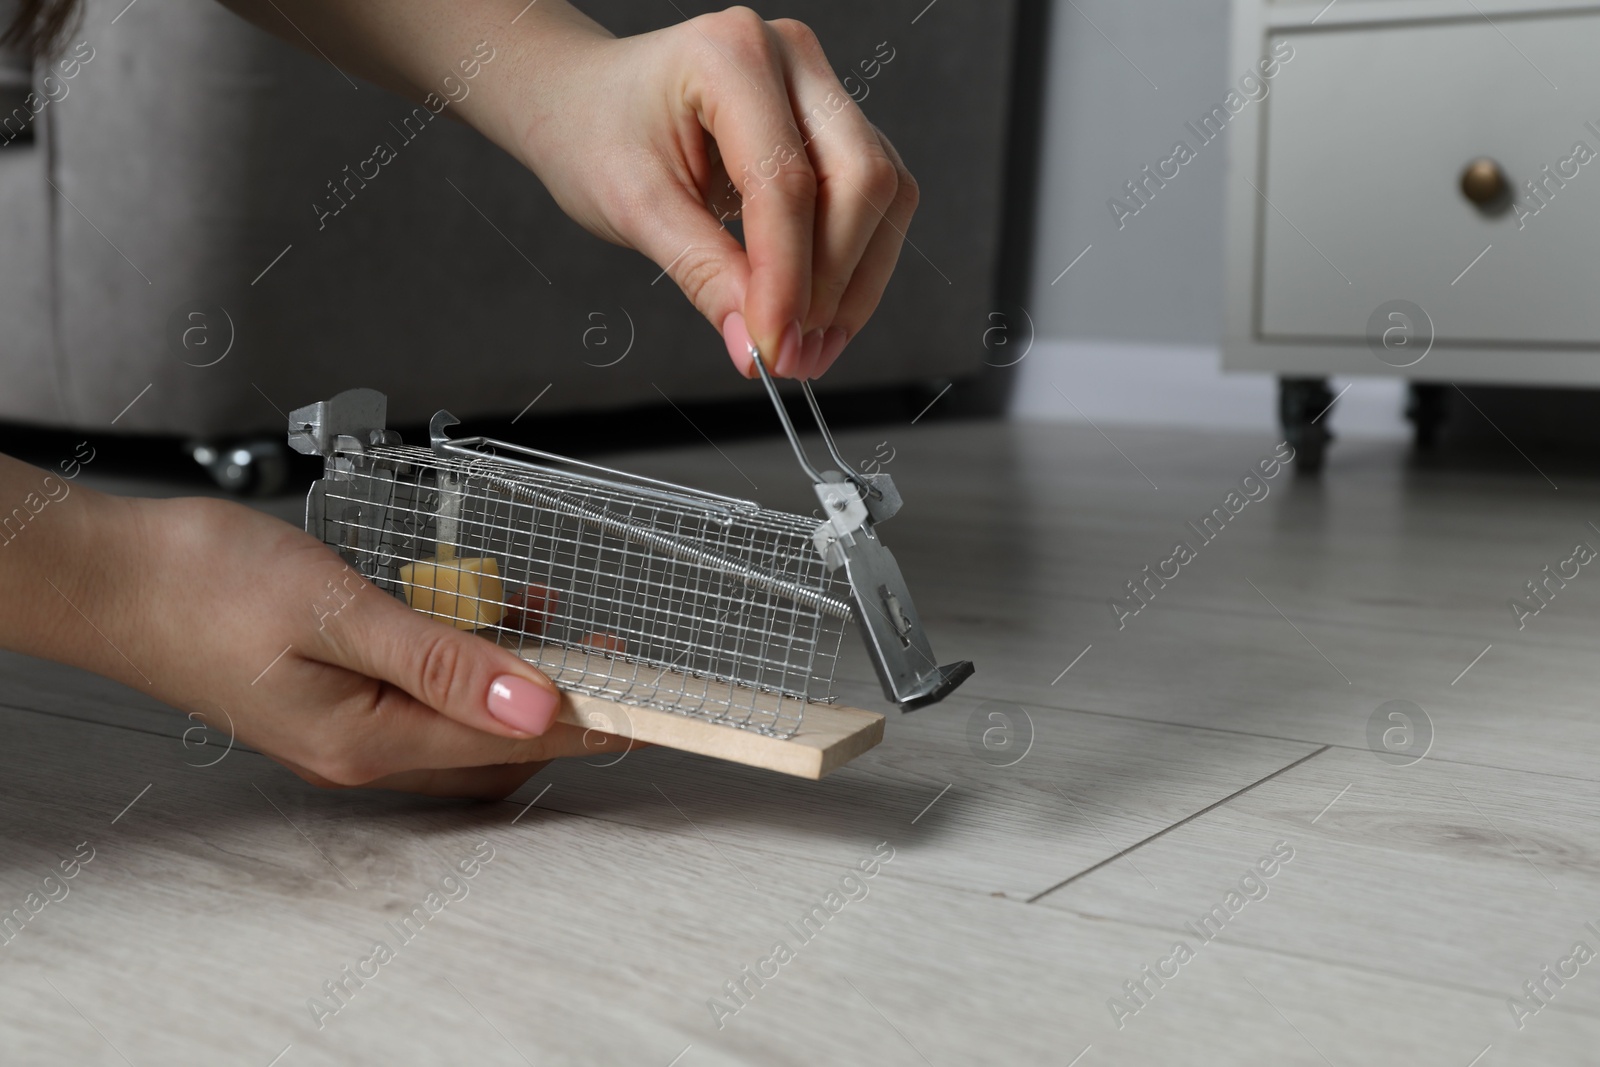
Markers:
(1428, 409)
(1303, 410)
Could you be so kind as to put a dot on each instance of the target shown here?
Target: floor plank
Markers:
(218, 904)
(1470, 877)
(1082, 788)
(1232, 713)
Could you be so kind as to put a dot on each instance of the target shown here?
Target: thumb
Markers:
(454, 672)
(693, 246)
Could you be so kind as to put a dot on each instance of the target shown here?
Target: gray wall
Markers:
(1159, 278)
(1131, 333)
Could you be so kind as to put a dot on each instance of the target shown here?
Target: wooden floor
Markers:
(1088, 888)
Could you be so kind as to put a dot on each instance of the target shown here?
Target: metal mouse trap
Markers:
(671, 615)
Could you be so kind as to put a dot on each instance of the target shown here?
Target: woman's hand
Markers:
(209, 605)
(638, 139)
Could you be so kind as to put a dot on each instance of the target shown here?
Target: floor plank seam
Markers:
(238, 747)
(1181, 822)
(1277, 737)
(1332, 961)
(987, 896)
(990, 695)
(1468, 763)
(1243, 613)
(90, 722)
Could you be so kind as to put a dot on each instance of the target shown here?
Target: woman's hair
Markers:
(39, 26)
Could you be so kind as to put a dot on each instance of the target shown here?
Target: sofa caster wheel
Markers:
(247, 468)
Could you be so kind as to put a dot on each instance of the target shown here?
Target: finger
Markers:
(742, 100)
(856, 178)
(452, 671)
(377, 730)
(741, 349)
(399, 734)
(811, 355)
(877, 264)
(833, 341)
(697, 252)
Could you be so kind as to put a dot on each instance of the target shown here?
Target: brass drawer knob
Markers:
(1484, 183)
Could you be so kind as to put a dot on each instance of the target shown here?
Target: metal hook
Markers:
(783, 416)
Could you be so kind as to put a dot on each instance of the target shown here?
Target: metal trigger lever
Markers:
(847, 537)
(877, 491)
(783, 416)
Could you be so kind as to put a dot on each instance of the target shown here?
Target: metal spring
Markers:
(675, 547)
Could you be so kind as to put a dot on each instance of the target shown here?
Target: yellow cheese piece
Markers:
(466, 593)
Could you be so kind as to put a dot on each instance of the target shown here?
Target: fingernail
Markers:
(523, 705)
(833, 343)
(790, 349)
(811, 354)
(737, 336)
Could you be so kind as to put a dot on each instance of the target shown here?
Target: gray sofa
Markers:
(178, 263)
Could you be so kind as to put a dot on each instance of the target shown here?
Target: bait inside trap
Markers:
(672, 615)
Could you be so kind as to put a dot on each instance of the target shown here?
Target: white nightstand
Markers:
(1417, 195)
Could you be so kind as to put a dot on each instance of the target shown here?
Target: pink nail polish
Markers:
(736, 335)
(522, 705)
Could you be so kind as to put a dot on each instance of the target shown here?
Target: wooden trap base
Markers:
(829, 736)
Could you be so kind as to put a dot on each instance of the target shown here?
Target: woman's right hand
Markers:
(649, 141)
(656, 141)
(209, 605)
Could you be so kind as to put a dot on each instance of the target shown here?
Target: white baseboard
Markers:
(1124, 383)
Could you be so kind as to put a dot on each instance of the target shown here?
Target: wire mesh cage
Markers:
(634, 590)
(685, 602)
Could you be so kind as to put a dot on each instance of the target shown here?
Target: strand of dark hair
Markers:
(40, 26)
